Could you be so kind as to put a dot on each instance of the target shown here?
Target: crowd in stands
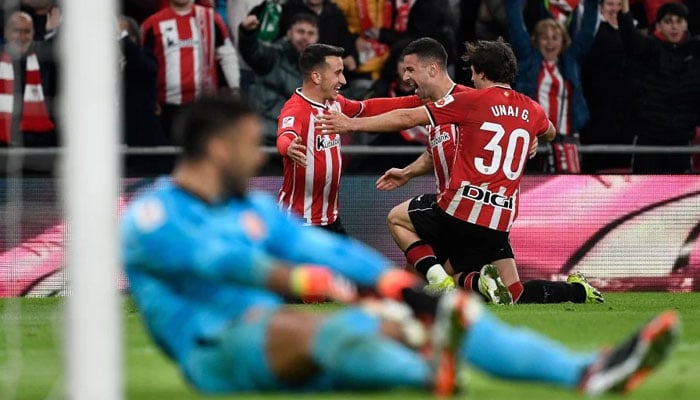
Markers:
(604, 76)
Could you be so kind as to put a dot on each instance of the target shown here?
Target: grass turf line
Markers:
(149, 375)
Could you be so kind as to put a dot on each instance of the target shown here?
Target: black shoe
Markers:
(622, 369)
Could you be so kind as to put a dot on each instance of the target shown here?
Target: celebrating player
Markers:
(207, 262)
(418, 223)
(311, 159)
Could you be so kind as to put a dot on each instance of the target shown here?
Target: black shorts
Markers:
(335, 227)
(466, 245)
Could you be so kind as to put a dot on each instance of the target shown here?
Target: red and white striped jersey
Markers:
(312, 192)
(185, 48)
(441, 138)
(554, 95)
(495, 128)
(441, 144)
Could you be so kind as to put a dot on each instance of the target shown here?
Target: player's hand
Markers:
(250, 23)
(533, 148)
(297, 152)
(317, 281)
(333, 122)
(392, 179)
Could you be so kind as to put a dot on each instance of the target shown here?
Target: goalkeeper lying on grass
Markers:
(208, 264)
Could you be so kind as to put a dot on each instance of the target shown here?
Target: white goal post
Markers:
(90, 181)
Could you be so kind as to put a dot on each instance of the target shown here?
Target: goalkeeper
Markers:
(208, 262)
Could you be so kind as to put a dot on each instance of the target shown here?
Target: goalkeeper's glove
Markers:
(313, 281)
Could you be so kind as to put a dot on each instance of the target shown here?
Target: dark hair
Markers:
(314, 56)
(493, 58)
(677, 9)
(303, 17)
(426, 49)
(205, 118)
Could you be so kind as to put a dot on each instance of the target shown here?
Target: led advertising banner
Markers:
(625, 232)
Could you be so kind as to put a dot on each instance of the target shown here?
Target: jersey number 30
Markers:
(498, 161)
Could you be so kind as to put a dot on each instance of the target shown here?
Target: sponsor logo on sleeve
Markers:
(444, 101)
(287, 122)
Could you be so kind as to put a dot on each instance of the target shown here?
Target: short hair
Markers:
(19, 14)
(493, 58)
(677, 9)
(425, 49)
(303, 17)
(204, 119)
(548, 23)
(314, 56)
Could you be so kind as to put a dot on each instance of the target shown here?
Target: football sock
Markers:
(516, 290)
(517, 353)
(350, 348)
(422, 256)
(470, 283)
(540, 292)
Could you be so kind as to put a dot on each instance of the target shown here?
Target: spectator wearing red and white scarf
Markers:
(23, 107)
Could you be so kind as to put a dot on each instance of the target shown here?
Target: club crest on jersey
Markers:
(444, 101)
(150, 215)
(287, 122)
(485, 196)
(323, 142)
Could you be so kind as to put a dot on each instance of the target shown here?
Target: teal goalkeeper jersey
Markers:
(195, 267)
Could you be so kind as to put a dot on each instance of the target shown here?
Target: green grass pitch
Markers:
(148, 375)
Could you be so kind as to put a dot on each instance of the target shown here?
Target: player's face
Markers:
(418, 73)
(609, 9)
(238, 154)
(19, 33)
(301, 35)
(332, 78)
(673, 28)
(550, 43)
(406, 86)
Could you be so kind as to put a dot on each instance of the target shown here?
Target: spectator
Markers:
(187, 58)
(602, 74)
(139, 74)
(26, 67)
(276, 66)
(46, 17)
(376, 24)
(549, 72)
(332, 26)
(237, 10)
(664, 111)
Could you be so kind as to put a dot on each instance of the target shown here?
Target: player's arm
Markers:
(549, 134)
(159, 246)
(381, 105)
(289, 143)
(393, 121)
(396, 177)
(345, 256)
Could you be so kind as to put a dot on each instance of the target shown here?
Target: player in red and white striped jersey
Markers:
(411, 221)
(188, 40)
(497, 126)
(312, 161)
